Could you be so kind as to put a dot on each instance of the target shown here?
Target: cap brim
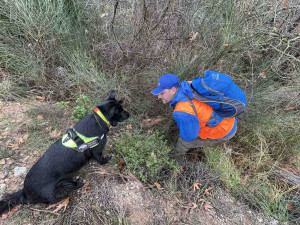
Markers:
(157, 91)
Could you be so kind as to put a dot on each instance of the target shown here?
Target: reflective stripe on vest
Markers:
(204, 112)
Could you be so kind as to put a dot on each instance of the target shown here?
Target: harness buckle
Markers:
(71, 133)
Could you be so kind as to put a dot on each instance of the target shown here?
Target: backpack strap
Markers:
(192, 104)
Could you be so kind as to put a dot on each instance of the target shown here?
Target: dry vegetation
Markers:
(62, 50)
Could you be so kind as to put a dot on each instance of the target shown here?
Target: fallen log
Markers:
(287, 177)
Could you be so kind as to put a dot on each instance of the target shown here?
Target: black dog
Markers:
(50, 178)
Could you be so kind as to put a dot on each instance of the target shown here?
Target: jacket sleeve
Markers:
(188, 125)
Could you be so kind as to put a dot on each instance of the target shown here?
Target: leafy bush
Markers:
(84, 104)
(146, 156)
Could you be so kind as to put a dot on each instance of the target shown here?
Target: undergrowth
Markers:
(146, 156)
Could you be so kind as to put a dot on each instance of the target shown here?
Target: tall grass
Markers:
(45, 47)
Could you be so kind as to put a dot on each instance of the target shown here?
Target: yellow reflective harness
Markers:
(73, 139)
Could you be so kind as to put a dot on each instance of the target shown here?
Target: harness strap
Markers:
(72, 134)
(192, 104)
(73, 139)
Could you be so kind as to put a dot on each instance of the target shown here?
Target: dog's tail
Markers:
(11, 200)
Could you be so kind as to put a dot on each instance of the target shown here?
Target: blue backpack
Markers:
(220, 92)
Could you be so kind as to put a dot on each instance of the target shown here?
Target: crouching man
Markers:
(198, 124)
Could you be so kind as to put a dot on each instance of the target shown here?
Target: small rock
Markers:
(2, 187)
(5, 174)
(19, 171)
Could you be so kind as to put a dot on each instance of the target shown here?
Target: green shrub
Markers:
(84, 105)
(146, 156)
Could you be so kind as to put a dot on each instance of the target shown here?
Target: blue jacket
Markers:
(188, 124)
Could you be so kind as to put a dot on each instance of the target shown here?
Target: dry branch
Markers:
(287, 176)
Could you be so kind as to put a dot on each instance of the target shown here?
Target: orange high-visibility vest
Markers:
(204, 112)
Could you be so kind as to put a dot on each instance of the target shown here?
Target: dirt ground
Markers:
(107, 198)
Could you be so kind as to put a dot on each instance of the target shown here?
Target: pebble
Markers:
(5, 174)
(19, 171)
(2, 187)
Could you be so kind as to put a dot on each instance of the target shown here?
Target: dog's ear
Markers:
(121, 101)
(112, 94)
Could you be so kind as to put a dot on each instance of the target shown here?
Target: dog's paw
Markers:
(78, 184)
(106, 159)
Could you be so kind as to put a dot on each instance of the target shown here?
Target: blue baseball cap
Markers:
(167, 81)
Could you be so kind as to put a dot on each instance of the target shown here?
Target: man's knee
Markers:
(182, 146)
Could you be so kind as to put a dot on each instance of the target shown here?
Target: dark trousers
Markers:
(183, 146)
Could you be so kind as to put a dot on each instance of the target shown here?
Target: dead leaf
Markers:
(288, 108)
(23, 139)
(207, 207)
(55, 134)
(40, 117)
(158, 186)
(129, 127)
(13, 146)
(40, 98)
(5, 133)
(207, 191)
(290, 207)
(194, 206)
(178, 200)
(175, 174)
(196, 186)
(284, 4)
(9, 213)
(85, 188)
(121, 164)
(193, 36)
(20, 141)
(201, 200)
(2, 161)
(59, 205)
(263, 74)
